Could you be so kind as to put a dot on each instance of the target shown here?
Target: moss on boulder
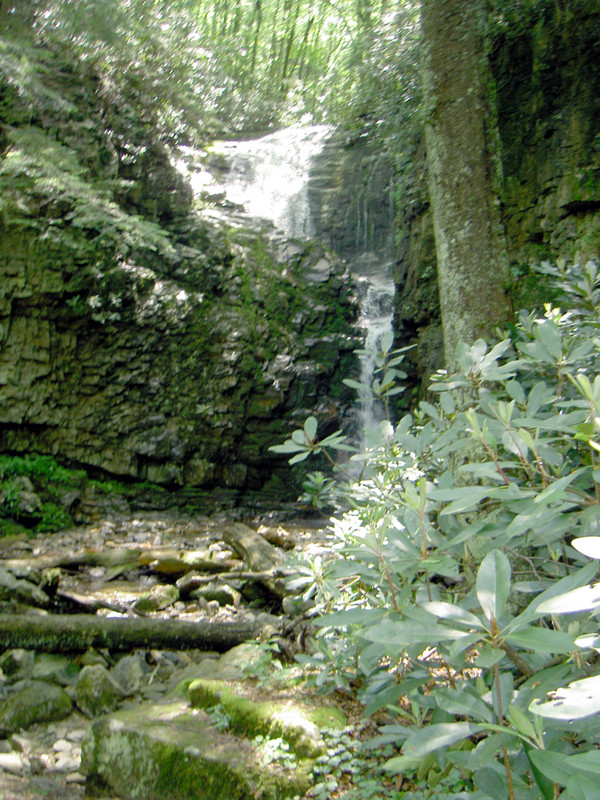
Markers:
(296, 723)
(169, 752)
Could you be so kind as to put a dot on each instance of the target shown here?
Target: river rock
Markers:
(11, 762)
(159, 597)
(295, 722)
(27, 592)
(128, 673)
(170, 752)
(36, 702)
(96, 692)
(17, 664)
(55, 668)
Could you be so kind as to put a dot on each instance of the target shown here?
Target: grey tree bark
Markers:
(464, 171)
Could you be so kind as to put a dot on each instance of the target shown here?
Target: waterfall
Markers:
(268, 178)
(376, 291)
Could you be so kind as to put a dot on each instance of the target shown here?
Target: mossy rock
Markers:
(297, 723)
(37, 702)
(168, 752)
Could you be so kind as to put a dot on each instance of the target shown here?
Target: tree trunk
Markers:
(464, 168)
(76, 632)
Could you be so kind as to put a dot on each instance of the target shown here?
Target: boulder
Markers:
(96, 691)
(35, 702)
(170, 752)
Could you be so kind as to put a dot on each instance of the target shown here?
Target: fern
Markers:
(44, 185)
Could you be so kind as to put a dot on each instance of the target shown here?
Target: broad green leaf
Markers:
(299, 457)
(563, 586)
(516, 391)
(578, 700)
(549, 336)
(488, 656)
(586, 598)
(300, 438)
(463, 703)
(433, 737)
(544, 783)
(542, 640)
(288, 447)
(588, 545)
(453, 612)
(493, 583)
(462, 499)
(581, 787)
(310, 428)
(555, 490)
(356, 385)
(521, 721)
(410, 633)
(386, 342)
(506, 693)
(402, 764)
(553, 765)
(586, 762)
(492, 784)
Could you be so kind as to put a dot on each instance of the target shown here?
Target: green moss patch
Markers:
(297, 723)
(169, 752)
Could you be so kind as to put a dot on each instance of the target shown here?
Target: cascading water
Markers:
(268, 178)
(376, 298)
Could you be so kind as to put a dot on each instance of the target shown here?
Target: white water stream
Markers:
(268, 178)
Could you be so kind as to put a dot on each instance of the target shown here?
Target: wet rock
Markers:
(96, 692)
(27, 592)
(128, 673)
(56, 668)
(17, 664)
(244, 658)
(223, 594)
(159, 597)
(168, 752)
(296, 723)
(20, 497)
(22, 744)
(37, 702)
(92, 657)
(11, 762)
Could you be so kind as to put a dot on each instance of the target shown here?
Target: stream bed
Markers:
(117, 566)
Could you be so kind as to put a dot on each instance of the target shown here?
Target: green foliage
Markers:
(43, 470)
(44, 186)
(47, 481)
(461, 598)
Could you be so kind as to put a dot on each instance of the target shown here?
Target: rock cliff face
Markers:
(351, 197)
(183, 373)
(547, 73)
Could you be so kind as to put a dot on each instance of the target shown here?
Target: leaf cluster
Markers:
(462, 599)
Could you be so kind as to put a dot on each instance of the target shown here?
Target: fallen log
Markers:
(256, 551)
(259, 555)
(75, 633)
(169, 561)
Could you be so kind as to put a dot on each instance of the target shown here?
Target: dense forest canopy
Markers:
(221, 65)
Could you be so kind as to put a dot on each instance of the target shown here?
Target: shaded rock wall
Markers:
(351, 197)
(138, 337)
(547, 74)
(181, 374)
(149, 378)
